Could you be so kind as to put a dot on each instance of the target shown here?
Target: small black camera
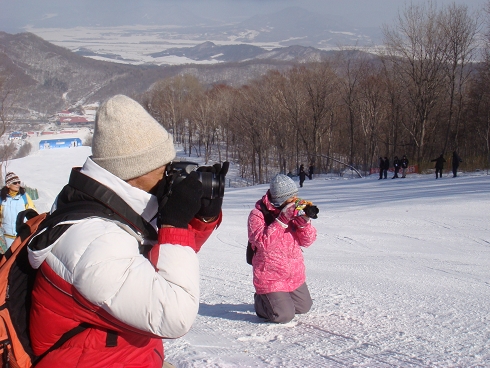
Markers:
(213, 185)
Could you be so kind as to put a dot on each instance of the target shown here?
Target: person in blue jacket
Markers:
(14, 200)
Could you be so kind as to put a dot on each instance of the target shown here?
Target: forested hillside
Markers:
(428, 93)
(48, 78)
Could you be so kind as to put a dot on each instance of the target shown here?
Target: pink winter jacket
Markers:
(278, 264)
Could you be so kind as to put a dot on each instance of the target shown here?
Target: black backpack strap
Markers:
(268, 216)
(70, 212)
(111, 339)
(269, 219)
(109, 198)
(26, 214)
(64, 338)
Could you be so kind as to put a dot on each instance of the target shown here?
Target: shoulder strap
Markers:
(72, 211)
(64, 338)
(110, 199)
(268, 216)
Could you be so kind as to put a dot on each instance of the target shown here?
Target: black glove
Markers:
(212, 207)
(181, 204)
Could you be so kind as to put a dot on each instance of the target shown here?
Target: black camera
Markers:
(213, 185)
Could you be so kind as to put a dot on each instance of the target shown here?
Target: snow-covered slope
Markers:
(400, 275)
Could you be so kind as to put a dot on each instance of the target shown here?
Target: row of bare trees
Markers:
(426, 93)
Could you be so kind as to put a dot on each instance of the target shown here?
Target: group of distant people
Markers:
(384, 165)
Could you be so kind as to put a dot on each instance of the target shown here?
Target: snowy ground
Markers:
(400, 275)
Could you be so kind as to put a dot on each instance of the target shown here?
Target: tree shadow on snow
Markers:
(234, 312)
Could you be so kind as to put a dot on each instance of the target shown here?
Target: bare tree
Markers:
(321, 85)
(169, 103)
(417, 49)
(460, 29)
(8, 98)
(372, 112)
(254, 132)
(351, 68)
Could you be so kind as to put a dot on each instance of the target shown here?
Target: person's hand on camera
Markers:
(309, 212)
(211, 208)
(182, 204)
(287, 214)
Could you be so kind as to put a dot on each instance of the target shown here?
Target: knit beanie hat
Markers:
(127, 141)
(282, 188)
(11, 178)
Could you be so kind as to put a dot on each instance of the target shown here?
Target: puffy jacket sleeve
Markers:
(103, 263)
(202, 230)
(304, 233)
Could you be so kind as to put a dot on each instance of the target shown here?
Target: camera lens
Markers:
(312, 211)
(213, 185)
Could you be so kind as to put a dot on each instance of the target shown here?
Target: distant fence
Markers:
(59, 143)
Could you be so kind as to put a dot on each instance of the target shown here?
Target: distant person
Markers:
(455, 163)
(439, 165)
(302, 175)
(396, 165)
(277, 233)
(290, 174)
(381, 164)
(386, 167)
(404, 165)
(310, 171)
(14, 200)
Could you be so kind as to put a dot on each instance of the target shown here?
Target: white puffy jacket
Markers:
(99, 260)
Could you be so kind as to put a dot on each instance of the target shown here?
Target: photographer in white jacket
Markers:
(128, 274)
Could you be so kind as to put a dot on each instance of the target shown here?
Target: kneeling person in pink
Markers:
(277, 231)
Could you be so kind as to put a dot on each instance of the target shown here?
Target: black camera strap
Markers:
(110, 199)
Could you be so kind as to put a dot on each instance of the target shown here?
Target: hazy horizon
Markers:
(18, 16)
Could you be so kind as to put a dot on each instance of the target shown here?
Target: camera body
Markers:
(213, 185)
(304, 207)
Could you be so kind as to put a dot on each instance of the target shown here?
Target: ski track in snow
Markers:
(399, 274)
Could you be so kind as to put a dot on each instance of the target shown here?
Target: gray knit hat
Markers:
(282, 188)
(127, 141)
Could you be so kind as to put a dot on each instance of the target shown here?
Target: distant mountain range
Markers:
(208, 51)
(174, 31)
(178, 20)
(53, 78)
